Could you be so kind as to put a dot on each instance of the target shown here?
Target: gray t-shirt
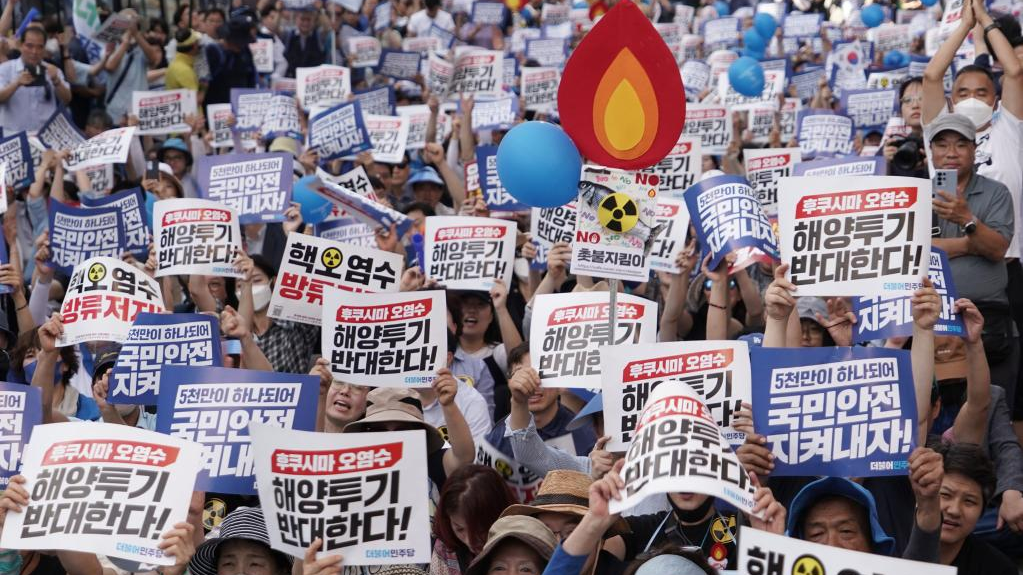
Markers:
(133, 66)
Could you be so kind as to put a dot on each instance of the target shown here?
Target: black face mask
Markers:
(694, 516)
(5, 362)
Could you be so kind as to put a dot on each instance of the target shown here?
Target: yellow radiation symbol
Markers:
(97, 272)
(722, 528)
(618, 213)
(331, 258)
(504, 468)
(213, 514)
(807, 565)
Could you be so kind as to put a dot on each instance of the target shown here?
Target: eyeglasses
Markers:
(352, 388)
(911, 100)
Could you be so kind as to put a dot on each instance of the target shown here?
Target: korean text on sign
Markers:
(257, 187)
(20, 412)
(727, 216)
(195, 237)
(469, 253)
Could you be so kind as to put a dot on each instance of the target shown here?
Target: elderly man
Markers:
(31, 88)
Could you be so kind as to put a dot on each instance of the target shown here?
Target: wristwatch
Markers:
(969, 227)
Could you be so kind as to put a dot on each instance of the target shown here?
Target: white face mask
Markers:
(977, 111)
(260, 296)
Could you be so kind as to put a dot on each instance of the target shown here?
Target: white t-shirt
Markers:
(473, 408)
(420, 22)
(498, 351)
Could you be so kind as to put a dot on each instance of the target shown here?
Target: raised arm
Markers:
(972, 421)
(1012, 68)
(934, 73)
(779, 303)
(463, 448)
(926, 309)
(509, 331)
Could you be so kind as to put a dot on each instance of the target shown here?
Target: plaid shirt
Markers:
(290, 346)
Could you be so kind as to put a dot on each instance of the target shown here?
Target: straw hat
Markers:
(242, 523)
(395, 404)
(527, 530)
(564, 491)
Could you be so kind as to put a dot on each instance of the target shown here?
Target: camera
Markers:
(38, 74)
(909, 152)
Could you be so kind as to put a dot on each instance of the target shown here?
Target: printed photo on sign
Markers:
(719, 371)
(681, 168)
(764, 167)
(163, 112)
(195, 237)
(312, 266)
(324, 85)
(256, 186)
(103, 298)
(727, 216)
(20, 411)
(155, 340)
(568, 330)
(78, 234)
(678, 447)
(855, 236)
(385, 339)
(674, 217)
(846, 412)
(374, 512)
(213, 407)
(469, 253)
(712, 124)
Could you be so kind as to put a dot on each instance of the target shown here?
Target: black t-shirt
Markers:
(716, 536)
(978, 557)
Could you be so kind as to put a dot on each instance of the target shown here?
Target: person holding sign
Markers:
(242, 546)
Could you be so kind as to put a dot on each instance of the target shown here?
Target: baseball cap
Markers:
(957, 123)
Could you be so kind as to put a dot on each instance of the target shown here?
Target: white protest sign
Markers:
(854, 236)
(162, 112)
(323, 86)
(103, 298)
(712, 124)
(422, 44)
(681, 168)
(363, 51)
(479, 73)
(774, 85)
(113, 28)
(671, 33)
(764, 168)
(263, 55)
(469, 253)
(418, 118)
(554, 14)
(439, 73)
(385, 339)
(388, 135)
(110, 147)
(218, 120)
(951, 17)
(674, 216)
(312, 266)
(103, 488)
(889, 37)
(568, 330)
(540, 88)
(549, 226)
(677, 446)
(195, 237)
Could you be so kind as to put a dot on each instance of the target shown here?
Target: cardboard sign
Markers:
(339, 131)
(312, 266)
(374, 513)
(677, 446)
(156, 340)
(727, 215)
(568, 330)
(764, 167)
(324, 85)
(79, 234)
(16, 155)
(20, 411)
(479, 73)
(218, 122)
(103, 488)
(854, 236)
(363, 51)
(196, 237)
(848, 166)
(256, 186)
(213, 406)
(60, 132)
(824, 133)
(399, 65)
(388, 135)
(680, 169)
(469, 253)
(132, 209)
(712, 124)
(842, 411)
(880, 317)
(163, 112)
(719, 371)
(385, 339)
(674, 216)
(103, 299)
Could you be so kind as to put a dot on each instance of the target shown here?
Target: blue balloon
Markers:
(753, 40)
(896, 58)
(746, 75)
(539, 165)
(722, 8)
(753, 54)
(872, 16)
(765, 24)
(315, 208)
(929, 2)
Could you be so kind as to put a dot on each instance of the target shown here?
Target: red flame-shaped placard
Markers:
(621, 98)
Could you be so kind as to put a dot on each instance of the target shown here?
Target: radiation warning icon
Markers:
(331, 258)
(213, 513)
(97, 272)
(618, 212)
(807, 565)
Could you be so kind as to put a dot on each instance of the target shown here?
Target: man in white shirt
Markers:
(30, 89)
(419, 23)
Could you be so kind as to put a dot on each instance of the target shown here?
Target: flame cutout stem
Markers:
(625, 111)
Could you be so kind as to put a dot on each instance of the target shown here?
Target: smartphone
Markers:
(153, 170)
(945, 181)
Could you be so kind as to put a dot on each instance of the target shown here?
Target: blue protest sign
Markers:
(257, 186)
(399, 65)
(881, 317)
(5, 258)
(281, 119)
(824, 133)
(720, 33)
(727, 215)
(16, 154)
(498, 199)
(837, 411)
(806, 81)
(249, 107)
(847, 166)
(499, 114)
(214, 405)
(136, 230)
(363, 209)
(77, 234)
(60, 132)
(20, 410)
(446, 37)
(156, 340)
(339, 131)
(347, 230)
(379, 100)
(869, 109)
(486, 13)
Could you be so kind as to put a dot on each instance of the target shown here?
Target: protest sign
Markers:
(806, 82)
(218, 120)
(720, 61)
(695, 77)
(486, 13)
(824, 133)
(764, 167)
(554, 14)
(479, 73)
(78, 234)
(721, 33)
(339, 131)
(763, 552)
(727, 215)
(691, 46)
(113, 28)
(103, 298)
(263, 54)
(800, 25)
(379, 100)
(615, 224)
(249, 108)
(469, 253)
(568, 330)
(499, 114)
(672, 214)
(382, 17)
(880, 317)
(840, 411)
(684, 16)
(446, 37)
(887, 80)
(521, 35)
(20, 411)
(131, 204)
(363, 51)
(951, 17)
(347, 230)
(60, 132)
(418, 122)
(890, 37)
(385, 339)
(511, 73)
(522, 482)
(313, 265)
(360, 493)
(497, 198)
(163, 112)
(281, 119)
(671, 33)
(846, 65)
(362, 208)
(103, 488)
(718, 371)
(681, 168)
(101, 181)
(16, 155)
(774, 85)
(439, 73)
(854, 236)
(195, 237)
(677, 446)
(399, 65)
(869, 109)
(324, 85)
(539, 88)
(256, 187)
(552, 52)
(422, 44)
(549, 226)
(847, 166)
(388, 135)
(155, 340)
(712, 124)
